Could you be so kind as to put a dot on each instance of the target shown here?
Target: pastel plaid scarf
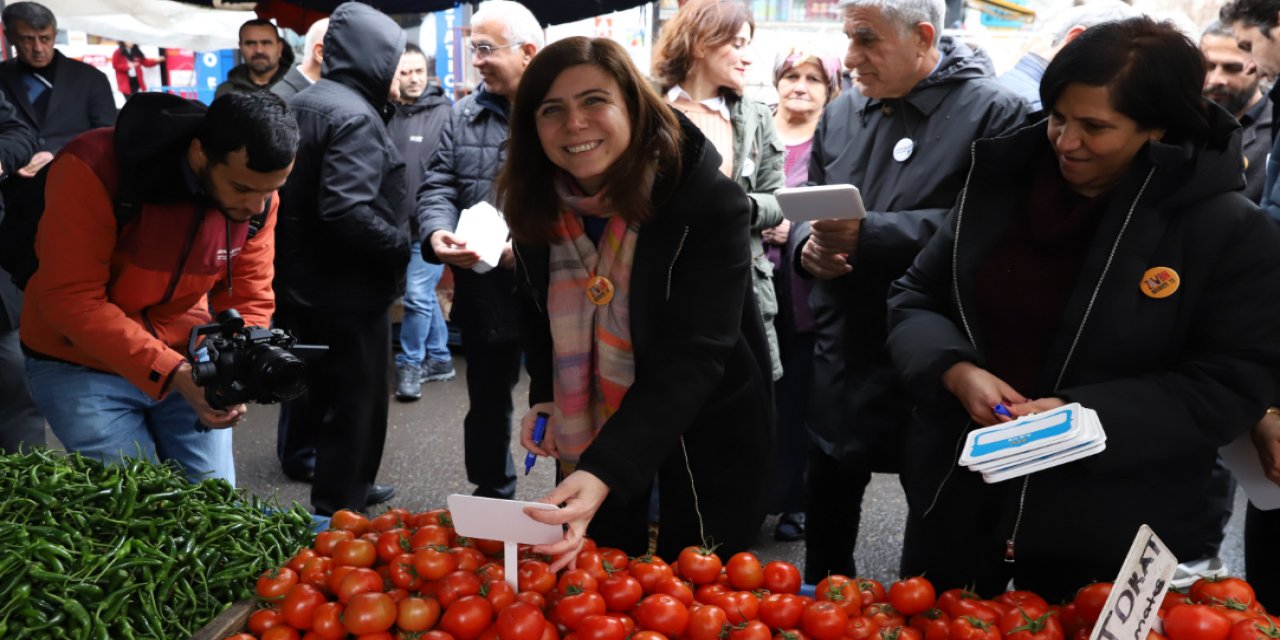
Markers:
(594, 363)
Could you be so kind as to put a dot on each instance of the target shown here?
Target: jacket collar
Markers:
(717, 104)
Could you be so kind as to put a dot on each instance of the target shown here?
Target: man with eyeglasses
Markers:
(1232, 81)
(504, 38)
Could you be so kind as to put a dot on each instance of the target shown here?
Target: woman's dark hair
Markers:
(1153, 73)
(133, 52)
(258, 122)
(698, 25)
(526, 185)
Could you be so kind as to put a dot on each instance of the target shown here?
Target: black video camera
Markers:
(248, 364)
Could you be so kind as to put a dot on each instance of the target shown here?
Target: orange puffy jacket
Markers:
(125, 302)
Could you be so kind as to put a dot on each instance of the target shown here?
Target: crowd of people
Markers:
(1097, 225)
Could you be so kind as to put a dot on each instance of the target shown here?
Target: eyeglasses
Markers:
(482, 51)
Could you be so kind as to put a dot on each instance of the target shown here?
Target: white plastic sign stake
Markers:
(505, 520)
(1139, 589)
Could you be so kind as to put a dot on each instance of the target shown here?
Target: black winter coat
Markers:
(81, 100)
(343, 235)
(461, 174)
(1172, 379)
(415, 129)
(858, 405)
(702, 369)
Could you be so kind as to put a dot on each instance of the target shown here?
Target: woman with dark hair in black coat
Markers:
(1104, 256)
(643, 342)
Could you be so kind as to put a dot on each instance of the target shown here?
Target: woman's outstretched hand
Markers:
(580, 496)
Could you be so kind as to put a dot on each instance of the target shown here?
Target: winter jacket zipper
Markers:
(525, 268)
(684, 450)
(1010, 555)
(672, 267)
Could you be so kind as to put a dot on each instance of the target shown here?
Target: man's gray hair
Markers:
(905, 14)
(1089, 14)
(1216, 28)
(33, 14)
(517, 21)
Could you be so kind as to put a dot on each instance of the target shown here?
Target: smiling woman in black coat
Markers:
(674, 382)
(1039, 293)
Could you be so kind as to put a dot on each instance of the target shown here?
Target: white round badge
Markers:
(903, 149)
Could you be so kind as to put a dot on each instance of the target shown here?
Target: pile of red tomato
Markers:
(409, 576)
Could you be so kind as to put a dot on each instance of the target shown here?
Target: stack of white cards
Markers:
(485, 231)
(1034, 442)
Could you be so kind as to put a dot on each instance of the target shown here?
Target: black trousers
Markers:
(791, 437)
(1262, 554)
(832, 514)
(492, 371)
(346, 403)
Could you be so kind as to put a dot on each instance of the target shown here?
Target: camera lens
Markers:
(277, 372)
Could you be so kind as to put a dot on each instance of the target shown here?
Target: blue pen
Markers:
(539, 431)
(1001, 411)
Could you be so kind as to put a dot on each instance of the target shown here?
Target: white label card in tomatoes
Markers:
(1139, 589)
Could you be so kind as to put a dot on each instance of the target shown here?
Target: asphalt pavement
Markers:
(423, 459)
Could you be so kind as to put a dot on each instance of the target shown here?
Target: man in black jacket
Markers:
(902, 136)
(342, 245)
(504, 38)
(307, 71)
(415, 128)
(266, 59)
(20, 420)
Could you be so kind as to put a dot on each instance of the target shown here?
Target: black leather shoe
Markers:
(380, 493)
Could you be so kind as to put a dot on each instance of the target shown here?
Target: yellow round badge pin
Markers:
(1159, 282)
(599, 290)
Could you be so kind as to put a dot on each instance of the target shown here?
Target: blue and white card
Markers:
(1033, 442)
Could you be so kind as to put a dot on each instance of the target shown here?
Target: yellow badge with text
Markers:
(599, 290)
(1159, 282)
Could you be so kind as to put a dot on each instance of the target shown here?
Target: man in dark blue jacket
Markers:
(342, 245)
(58, 99)
(504, 38)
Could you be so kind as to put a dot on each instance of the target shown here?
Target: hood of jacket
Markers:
(1185, 172)
(432, 97)
(959, 62)
(362, 50)
(1188, 173)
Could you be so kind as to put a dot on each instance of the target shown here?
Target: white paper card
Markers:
(494, 519)
(485, 231)
(1242, 459)
(825, 202)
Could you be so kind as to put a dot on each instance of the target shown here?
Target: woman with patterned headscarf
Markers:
(806, 82)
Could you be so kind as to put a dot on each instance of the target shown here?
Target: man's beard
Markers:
(262, 65)
(1233, 101)
(409, 95)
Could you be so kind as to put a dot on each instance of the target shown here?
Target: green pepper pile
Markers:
(131, 550)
